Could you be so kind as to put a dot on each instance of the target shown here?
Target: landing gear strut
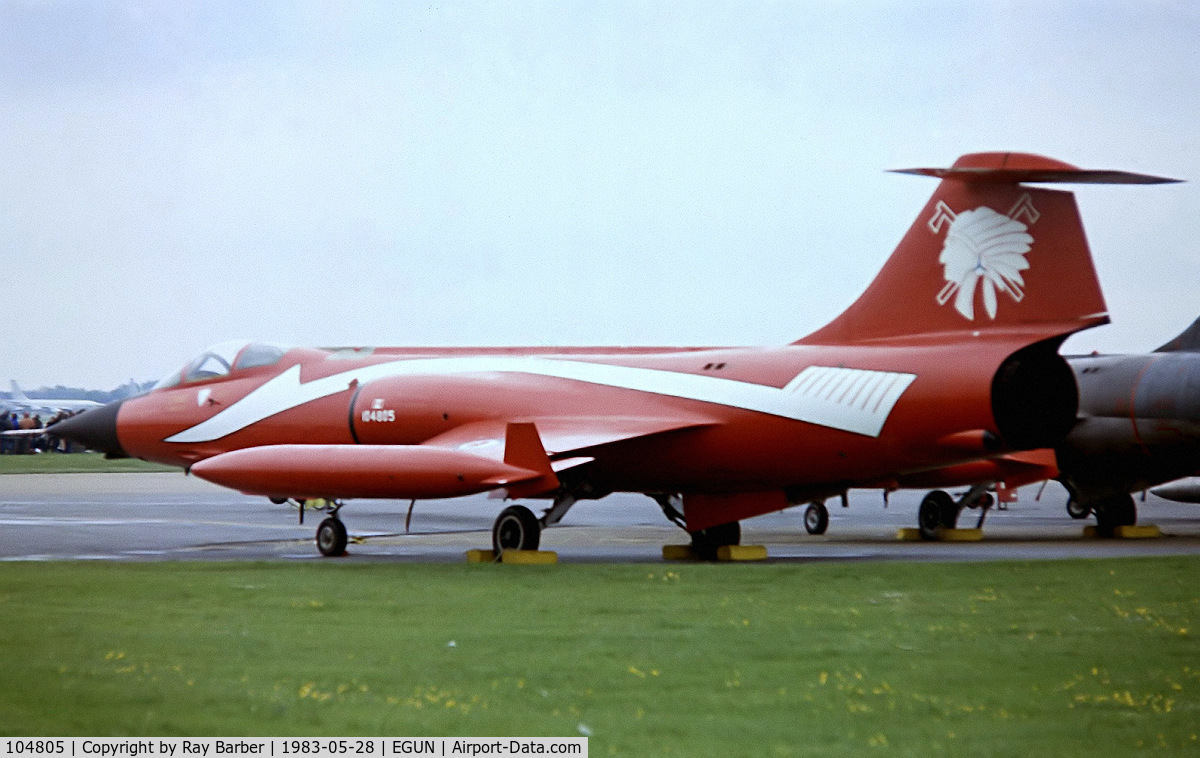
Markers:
(670, 504)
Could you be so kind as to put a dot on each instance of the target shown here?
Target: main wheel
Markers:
(516, 528)
(938, 509)
(816, 518)
(1078, 510)
(331, 538)
(1111, 512)
(705, 542)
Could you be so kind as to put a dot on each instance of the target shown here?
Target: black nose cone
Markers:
(96, 429)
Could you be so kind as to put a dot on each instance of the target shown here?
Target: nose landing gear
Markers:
(816, 518)
(332, 537)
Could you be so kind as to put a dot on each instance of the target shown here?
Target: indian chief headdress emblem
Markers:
(984, 249)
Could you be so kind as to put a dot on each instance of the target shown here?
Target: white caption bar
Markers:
(288, 747)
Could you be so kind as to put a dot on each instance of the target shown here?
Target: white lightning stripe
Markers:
(802, 398)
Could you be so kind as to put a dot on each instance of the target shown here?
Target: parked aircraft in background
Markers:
(1139, 427)
(948, 359)
(19, 401)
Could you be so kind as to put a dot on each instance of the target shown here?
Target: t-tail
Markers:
(986, 253)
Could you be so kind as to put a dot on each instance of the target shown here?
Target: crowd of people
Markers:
(26, 444)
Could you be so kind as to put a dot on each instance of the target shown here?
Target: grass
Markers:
(75, 463)
(1045, 658)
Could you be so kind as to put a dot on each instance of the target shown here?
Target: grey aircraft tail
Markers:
(1188, 341)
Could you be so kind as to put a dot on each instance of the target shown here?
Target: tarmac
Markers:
(170, 516)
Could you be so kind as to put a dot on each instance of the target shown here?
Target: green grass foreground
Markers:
(75, 463)
(1047, 658)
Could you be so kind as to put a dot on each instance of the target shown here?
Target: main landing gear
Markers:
(705, 542)
(516, 528)
(940, 511)
(1111, 511)
(1114, 511)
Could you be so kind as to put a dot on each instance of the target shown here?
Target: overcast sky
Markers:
(178, 174)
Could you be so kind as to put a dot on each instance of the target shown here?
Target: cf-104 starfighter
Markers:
(950, 357)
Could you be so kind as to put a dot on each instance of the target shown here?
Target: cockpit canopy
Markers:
(223, 359)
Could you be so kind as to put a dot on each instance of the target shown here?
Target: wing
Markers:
(561, 435)
(472, 458)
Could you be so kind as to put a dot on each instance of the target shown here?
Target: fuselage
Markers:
(801, 417)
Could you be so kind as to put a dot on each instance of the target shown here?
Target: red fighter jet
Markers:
(941, 371)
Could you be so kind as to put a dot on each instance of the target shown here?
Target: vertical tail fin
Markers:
(17, 394)
(986, 253)
(1188, 341)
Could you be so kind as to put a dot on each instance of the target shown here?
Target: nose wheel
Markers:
(332, 538)
(816, 518)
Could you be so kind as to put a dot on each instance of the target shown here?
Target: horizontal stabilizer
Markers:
(1011, 168)
(1013, 176)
